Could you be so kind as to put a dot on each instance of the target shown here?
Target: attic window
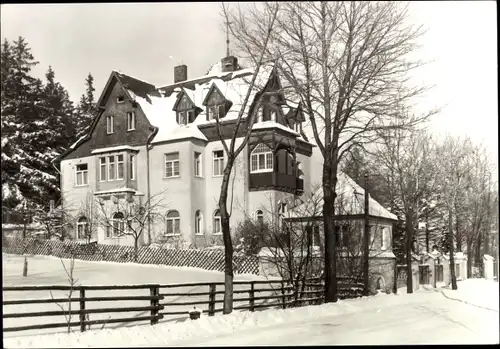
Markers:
(216, 111)
(185, 117)
(120, 99)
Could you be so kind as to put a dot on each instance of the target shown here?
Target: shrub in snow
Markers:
(250, 237)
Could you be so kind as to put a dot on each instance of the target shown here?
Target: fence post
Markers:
(211, 299)
(283, 297)
(154, 292)
(82, 308)
(251, 295)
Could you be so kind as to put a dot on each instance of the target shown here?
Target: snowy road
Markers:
(427, 318)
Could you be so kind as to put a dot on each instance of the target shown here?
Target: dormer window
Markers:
(185, 117)
(260, 115)
(120, 99)
(273, 115)
(215, 102)
(216, 111)
(185, 109)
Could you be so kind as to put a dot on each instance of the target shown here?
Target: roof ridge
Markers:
(135, 78)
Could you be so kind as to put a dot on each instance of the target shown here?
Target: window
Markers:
(82, 174)
(316, 236)
(131, 164)
(260, 216)
(261, 159)
(273, 114)
(457, 270)
(130, 121)
(109, 124)
(81, 228)
(260, 115)
(342, 236)
(218, 157)
(111, 168)
(297, 127)
(172, 165)
(197, 164)
(216, 111)
(173, 223)
(373, 235)
(117, 225)
(102, 165)
(198, 223)
(120, 167)
(120, 99)
(185, 117)
(217, 229)
(385, 238)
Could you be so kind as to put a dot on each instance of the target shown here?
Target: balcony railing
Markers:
(276, 180)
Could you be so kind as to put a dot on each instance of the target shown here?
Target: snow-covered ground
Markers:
(46, 270)
(429, 316)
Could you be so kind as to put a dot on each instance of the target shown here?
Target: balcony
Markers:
(276, 181)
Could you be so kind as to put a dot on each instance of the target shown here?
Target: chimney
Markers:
(51, 205)
(229, 63)
(180, 73)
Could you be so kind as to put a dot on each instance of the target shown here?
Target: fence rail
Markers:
(160, 304)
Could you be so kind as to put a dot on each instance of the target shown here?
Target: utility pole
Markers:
(366, 241)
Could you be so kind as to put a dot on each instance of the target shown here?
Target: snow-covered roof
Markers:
(111, 149)
(349, 201)
(457, 255)
(488, 257)
(233, 85)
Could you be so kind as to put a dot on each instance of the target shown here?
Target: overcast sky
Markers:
(139, 39)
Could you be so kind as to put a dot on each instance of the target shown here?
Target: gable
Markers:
(214, 96)
(109, 106)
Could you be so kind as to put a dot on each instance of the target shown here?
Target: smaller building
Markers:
(349, 220)
(431, 269)
(435, 268)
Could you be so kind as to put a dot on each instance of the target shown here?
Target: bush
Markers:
(250, 237)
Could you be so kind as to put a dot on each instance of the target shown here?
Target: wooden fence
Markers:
(205, 259)
(162, 302)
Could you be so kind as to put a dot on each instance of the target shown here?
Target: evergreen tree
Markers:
(86, 108)
(37, 125)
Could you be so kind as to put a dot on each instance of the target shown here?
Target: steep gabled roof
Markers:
(158, 103)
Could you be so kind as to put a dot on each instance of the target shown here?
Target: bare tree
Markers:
(348, 63)
(129, 218)
(407, 156)
(453, 172)
(232, 151)
(55, 221)
(72, 281)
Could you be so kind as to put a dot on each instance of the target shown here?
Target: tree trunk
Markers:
(452, 250)
(329, 183)
(458, 235)
(136, 249)
(427, 233)
(409, 240)
(228, 244)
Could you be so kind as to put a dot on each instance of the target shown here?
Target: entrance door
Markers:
(424, 274)
(439, 273)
